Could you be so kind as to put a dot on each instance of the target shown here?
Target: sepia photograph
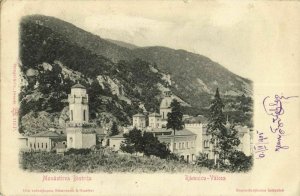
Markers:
(150, 97)
(119, 107)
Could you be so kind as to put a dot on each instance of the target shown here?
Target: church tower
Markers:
(165, 105)
(78, 104)
(79, 131)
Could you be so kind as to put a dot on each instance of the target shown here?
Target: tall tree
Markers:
(114, 129)
(225, 138)
(175, 117)
(216, 123)
(133, 141)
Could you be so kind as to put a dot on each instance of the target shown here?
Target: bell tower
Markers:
(78, 104)
(80, 133)
(165, 107)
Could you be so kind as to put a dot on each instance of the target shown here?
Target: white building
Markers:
(139, 121)
(78, 104)
(154, 120)
(165, 107)
(43, 141)
(187, 143)
(79, 134)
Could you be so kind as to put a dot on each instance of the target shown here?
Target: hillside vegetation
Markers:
(120, 80)
(102, 162)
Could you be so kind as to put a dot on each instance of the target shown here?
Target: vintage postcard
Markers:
(150, 97)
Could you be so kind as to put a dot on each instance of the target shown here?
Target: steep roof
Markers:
(78, 86)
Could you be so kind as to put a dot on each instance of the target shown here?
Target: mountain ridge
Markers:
(120, 81)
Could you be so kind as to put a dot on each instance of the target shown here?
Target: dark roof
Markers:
(120, 135)
(78, 86)
(139, 115)
(184, 132)
(198, 119)
(60, 138)
(46, 134)
(177, 132)
(154, 115)
(160, 130)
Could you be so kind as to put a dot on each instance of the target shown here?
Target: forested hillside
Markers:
(120, 80)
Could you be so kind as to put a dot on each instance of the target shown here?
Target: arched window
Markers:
(206, 144)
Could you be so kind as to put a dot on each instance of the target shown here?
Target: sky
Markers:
(235, 34)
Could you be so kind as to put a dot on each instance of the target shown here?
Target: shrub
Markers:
(239, 162)
(203, 161)
(101, 162)
(145, 143)
(82, 151)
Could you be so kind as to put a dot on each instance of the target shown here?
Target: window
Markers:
(187, 144)
(179, 145)
(42, 145)
(30, 145)
(46, 145)
(206, 143)
(71, 114)
(38, 145)
(174, 145)
(83, 115)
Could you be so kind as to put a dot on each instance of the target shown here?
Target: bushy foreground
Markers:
(101, 161)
